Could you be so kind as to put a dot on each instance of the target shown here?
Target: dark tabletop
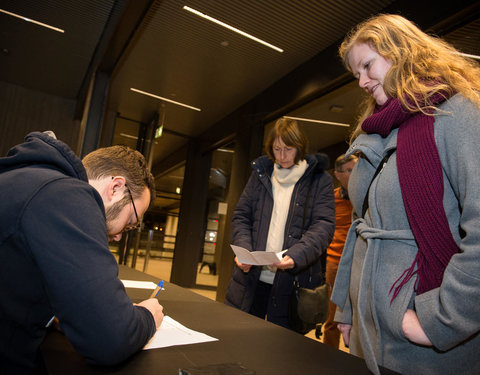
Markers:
(256, 344)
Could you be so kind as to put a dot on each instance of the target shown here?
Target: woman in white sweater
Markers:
(287, 204)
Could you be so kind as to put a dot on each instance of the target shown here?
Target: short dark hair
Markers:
(290, 133)
(121, 161)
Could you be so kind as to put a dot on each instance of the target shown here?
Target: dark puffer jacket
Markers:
(308, 232)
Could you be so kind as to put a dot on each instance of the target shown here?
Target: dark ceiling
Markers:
(158, 47)
(185, 58)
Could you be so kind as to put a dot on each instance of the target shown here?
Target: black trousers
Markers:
(260, 301)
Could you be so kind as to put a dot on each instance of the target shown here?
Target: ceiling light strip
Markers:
(165, 99)
(468, 55)
(318, 121)
(133, 137)
(232, 28)
(33, 21)
(128, 136)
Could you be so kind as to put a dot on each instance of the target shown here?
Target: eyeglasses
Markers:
(284, 149)
(135, 226)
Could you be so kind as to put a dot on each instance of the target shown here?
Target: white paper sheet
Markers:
(256, 258)
(173, 333)
(138, 284)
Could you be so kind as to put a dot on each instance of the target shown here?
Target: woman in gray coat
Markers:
(408, 284)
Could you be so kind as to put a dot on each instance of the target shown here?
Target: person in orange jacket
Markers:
(343, 213)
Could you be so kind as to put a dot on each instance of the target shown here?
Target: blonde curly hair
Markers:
(422, 65)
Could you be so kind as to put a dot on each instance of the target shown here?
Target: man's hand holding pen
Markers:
(155, 309)
(154, 306)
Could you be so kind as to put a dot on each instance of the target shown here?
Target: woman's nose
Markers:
(362, 81)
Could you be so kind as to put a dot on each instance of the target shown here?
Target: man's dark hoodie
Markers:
(55, 261)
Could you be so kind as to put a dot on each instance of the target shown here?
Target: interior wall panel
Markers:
(23, 111)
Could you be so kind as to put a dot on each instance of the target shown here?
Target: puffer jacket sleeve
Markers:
(243, 215)
(319, 234)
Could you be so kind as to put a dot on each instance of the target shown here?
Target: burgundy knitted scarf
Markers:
(421, 182)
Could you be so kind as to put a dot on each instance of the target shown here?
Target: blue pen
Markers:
(157, 289)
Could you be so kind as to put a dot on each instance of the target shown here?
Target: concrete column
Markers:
(193, 215)
(248, 146)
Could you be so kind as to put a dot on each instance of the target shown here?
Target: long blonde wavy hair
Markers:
(422, 65)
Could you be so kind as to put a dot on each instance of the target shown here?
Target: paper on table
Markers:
(256, 258)
(172, 333)
(138, 284)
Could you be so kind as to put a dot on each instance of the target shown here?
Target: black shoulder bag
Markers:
(309, 307)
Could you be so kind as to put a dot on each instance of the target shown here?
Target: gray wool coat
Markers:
(381, 246)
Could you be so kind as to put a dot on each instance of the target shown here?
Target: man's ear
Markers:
(116, 189)
(336, 174)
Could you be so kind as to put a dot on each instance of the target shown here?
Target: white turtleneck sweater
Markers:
(283, 182)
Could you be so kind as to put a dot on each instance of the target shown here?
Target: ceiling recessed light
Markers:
(32, 21)
(165, 99)
(238, 31)
(317, 121)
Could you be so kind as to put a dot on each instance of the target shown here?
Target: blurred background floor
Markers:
(161, 268)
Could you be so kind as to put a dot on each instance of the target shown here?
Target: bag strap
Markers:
(379, 169)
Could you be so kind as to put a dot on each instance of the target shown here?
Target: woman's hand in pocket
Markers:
(412, 329)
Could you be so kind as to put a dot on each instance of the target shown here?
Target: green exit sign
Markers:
(159, 132)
